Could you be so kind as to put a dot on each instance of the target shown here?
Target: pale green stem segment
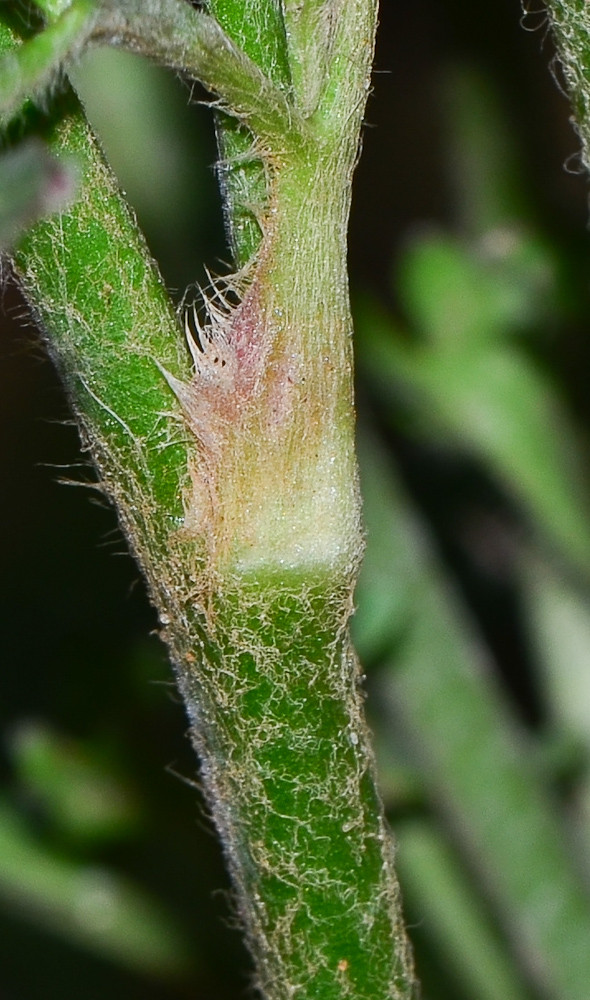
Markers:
(255, 587)
(257, 27)
(347, 86)
(323, 41)
(27, 71)
(310, 30)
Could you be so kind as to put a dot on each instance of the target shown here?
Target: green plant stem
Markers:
(571, 26)
(254, 584)
(176, 35)
(258, 28)
(292, 788)
(310, 29)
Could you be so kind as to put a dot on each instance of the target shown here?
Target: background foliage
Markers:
(469, 268)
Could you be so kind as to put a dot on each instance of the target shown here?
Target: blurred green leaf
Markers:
(457, 294)
(494, 403)
(453, 915)
(90, 905)
(74, 784)
(31, 68)
(557, 616)
(437, 695)
(385, 599)
(484, 168)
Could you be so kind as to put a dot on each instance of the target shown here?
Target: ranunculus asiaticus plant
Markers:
(231, 460)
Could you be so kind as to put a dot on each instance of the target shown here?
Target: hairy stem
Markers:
(257, 27)
(236, 485)
(571, 25)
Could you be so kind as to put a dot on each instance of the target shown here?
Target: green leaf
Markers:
(90, 905)
(74, 784)
(557, 619)
(487, 180)
(493, 402)
(258, 28)
(456, 293)
(571, 24)
(454, 916)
